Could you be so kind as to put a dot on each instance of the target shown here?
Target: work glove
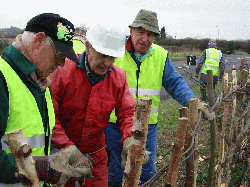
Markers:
(206, 110)
(124, 155)
(72, 162)
(44, 173)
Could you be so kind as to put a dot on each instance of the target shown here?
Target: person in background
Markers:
(84, 96)
(148, 68)
(25, 98)
(211, 58)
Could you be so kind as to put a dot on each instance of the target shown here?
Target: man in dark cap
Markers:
(26, 101)
(148, 68)
(211, 58)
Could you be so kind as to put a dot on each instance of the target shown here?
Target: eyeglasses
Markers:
(59, 55)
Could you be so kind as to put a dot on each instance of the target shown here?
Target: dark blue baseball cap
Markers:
(59, 29)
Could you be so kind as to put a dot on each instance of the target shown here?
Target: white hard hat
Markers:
(108, 40)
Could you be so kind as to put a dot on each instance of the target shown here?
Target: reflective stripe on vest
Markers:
(142, 91)
(24, 113)
(34, 142)
(150, 78)
(211, 66)
(212, 61)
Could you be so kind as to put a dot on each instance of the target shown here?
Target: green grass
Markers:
(183, 56)
(169, 112)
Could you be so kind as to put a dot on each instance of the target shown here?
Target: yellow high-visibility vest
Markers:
(78, 46)
(212, 61)
(24, 113)
(149, 81)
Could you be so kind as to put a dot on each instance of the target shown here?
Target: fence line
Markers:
(233, 91)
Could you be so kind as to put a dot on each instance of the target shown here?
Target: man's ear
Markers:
(130, 31)
(39, 39)
(87, 44)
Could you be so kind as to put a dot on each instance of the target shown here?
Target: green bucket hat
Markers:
(147, 20)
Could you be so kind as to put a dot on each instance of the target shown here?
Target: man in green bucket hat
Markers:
(148, 68)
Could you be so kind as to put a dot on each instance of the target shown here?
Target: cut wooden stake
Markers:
(175, 159)
(233, 127)
(136, 151)
(22, 152)
(193, 161)
(221, 159)
(213, 154)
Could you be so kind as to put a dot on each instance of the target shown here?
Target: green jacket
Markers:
(23, 67)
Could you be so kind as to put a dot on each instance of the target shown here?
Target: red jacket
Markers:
(82, 110)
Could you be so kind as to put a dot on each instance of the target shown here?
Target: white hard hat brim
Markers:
(108, 51)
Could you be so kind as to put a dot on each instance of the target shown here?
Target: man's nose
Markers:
(144, 37)
(108, 62)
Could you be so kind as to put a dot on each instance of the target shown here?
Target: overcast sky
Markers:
(217, 19)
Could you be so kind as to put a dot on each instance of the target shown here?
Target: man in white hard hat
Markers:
(84, 96)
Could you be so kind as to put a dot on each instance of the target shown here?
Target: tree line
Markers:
(227, 47)
(11, 32)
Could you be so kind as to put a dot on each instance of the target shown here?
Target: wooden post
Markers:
(240, 96)
(242, 62)
(22, 153)
(132, 172)
(242, 122)
(233, 126)
(223, 132)
(193, 161)
(211, 99)
(175, 159)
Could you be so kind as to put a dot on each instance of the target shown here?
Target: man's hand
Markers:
(206, 110)
(196, 76)
(72, 162)
(124, 155)
(44, 173)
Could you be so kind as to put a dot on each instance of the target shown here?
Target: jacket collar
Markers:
(129, 45)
